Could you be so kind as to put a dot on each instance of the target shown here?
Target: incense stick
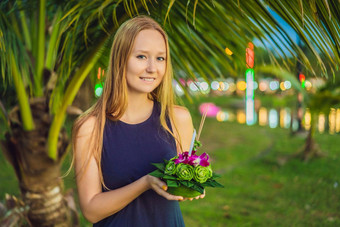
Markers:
(202, 122)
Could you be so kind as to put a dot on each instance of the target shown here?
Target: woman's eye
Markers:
(160, 58)
(141, 57)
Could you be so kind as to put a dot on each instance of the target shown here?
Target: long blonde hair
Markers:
(113, 101)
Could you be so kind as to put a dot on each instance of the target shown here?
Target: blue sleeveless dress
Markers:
(128, 150)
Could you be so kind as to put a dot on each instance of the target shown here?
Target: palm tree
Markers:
(48, 48)
(325, 98)
(319, 101)
(33, 57)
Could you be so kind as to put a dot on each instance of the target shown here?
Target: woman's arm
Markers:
(185, 129)
(95, 204)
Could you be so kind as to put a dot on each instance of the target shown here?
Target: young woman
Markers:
(133, 124)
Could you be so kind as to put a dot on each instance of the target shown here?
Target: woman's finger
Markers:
(160, 191)
(171, 197)
(161, 184)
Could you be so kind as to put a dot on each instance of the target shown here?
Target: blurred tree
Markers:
(48, 48)
(322, 101)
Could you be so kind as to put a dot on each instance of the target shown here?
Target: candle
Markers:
(192, 142)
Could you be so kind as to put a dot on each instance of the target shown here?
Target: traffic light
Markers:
(98, 88)
(302, 79)
(250, 55)
(250, 105)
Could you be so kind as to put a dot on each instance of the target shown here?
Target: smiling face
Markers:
(146, 64)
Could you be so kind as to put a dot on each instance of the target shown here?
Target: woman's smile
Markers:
(148, 79)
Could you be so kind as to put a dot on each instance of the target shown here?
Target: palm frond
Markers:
(198, 31)
(70, 93)
(317, 23)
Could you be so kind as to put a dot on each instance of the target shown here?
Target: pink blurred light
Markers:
(212, 109)
(189, 82)
(182, 81)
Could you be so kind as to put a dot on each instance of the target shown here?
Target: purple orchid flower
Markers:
(182, 158)
(202, 160)
(194, 160)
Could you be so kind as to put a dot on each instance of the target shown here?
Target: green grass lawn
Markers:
(260, 189)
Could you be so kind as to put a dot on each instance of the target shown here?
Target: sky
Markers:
(286, 27)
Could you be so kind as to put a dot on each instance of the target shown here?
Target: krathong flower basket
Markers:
(187, 174)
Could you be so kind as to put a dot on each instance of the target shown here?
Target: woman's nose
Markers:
(151, 67)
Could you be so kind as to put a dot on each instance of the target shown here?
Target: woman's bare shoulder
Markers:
(182, 117)
(181, 114)
(87, 126)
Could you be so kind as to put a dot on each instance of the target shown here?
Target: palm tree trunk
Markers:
(38, 175)
(309, 144)
(311, 148)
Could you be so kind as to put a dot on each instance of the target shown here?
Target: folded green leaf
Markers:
(218, 185)
(157, 173)
(186, 183)
(172, 183)
(215, 176)
(198, 188)
(168, 177)
(160, 166)
(212, 183)
(208, 184)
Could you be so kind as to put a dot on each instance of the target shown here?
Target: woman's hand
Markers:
(197, 197)
(160, 188)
